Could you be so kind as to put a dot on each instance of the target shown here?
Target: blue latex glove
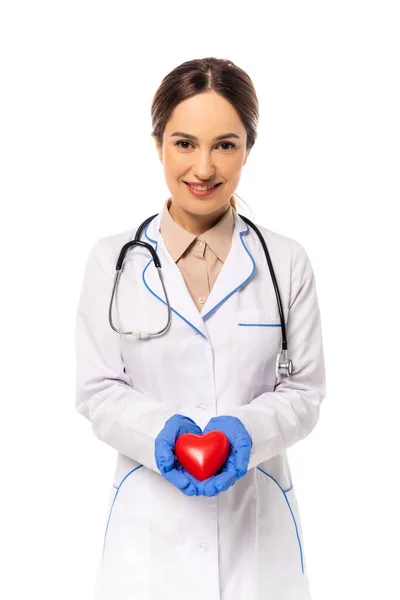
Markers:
(166, 461)
(235, 466)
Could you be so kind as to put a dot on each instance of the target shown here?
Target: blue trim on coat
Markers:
(260, 324)
(112, 506)
(151, 291)
(259, 468)
(284, 492)
(241, 233)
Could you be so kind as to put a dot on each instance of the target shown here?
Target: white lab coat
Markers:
(245, 543)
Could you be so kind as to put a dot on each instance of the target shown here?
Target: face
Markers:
(205, 116)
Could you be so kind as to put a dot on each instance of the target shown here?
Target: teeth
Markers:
(202, 187)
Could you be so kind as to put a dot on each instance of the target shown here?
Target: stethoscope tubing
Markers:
(283, 364)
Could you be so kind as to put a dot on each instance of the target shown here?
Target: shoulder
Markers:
(287, 249)
(278, 239)
(113, 243)
(107, 248)
(290, 256)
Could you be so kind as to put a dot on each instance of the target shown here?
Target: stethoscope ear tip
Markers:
(143, 335)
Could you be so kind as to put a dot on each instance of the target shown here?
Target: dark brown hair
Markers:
(200, 75)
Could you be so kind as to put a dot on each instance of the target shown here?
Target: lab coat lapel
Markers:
(236, 271)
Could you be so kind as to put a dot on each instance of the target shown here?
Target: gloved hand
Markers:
(236, 464)
(166, 460)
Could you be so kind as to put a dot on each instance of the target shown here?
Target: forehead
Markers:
(205, 115)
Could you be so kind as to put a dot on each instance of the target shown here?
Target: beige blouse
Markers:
(199, 258)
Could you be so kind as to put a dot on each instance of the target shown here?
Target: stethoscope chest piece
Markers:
(284, 365)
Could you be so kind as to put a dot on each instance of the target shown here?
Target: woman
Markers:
(237, 534)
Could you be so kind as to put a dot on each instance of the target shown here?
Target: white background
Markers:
(78, 163)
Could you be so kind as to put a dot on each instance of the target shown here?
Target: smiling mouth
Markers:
(202, 185)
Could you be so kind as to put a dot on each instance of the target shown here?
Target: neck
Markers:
(194, 223)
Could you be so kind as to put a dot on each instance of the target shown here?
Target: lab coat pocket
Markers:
(259, 337)
(128, 505)
(293, 507)
(260, 317)
(279, 530)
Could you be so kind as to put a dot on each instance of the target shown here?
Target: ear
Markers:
(158, 147)
(247, 154)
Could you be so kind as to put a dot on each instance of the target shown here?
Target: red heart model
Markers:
(202, 455)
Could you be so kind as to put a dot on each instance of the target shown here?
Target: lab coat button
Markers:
(203, 546)
(202, 406)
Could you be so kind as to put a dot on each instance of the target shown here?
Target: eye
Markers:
(230, 144)
(186, 142)
(181, 142)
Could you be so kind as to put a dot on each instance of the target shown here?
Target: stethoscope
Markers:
(284, 365)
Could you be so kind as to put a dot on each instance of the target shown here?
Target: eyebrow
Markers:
(195, 139)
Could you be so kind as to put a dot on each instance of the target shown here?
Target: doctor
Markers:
(238, 534)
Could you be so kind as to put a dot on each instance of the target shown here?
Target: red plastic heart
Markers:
(202, 455)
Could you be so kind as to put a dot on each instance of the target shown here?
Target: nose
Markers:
(204, 168)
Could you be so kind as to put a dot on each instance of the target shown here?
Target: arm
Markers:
(120, 416)
(277, 420)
